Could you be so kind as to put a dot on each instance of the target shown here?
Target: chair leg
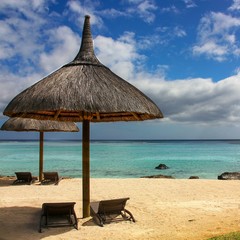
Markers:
(40, 225)
(15, 182)
(98, 220)
(131, 218)
(76, 221)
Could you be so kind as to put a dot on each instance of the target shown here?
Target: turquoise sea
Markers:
(124, 159)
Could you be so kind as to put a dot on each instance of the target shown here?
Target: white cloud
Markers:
(231, 38)
(65, 47)
(6, 42)
(21, 5)
(118, 54)
(85, 8)
(179, 32)
(222, 23)
(144, 9)
(19, 35)
(113, 13)
(11, 84)
(190, 3)
(163, 36)
(194, 100)
(135, 1)
(170, 9)
(235, 6)
(217, 36)
(212, 50)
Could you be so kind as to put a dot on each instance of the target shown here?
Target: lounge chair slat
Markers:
(24, 177)
(58, 215)
(110, 210)
(51, 178)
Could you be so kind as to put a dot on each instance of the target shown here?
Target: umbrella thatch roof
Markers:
(83, 89)
(27, 124)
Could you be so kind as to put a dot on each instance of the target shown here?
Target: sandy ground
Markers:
(165, 209)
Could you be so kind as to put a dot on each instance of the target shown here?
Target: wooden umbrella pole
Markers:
(86, 168)
(41, 156)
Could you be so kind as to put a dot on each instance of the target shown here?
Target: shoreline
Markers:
(165, 209)
(6, 180)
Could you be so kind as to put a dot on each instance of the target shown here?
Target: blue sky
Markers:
(183, 54)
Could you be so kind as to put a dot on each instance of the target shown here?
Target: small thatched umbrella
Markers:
(41, 126)
(84, 90)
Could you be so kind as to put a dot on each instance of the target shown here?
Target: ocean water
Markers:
(124, 159)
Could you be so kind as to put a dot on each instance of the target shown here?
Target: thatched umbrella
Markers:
(41, 126)
(84, 90)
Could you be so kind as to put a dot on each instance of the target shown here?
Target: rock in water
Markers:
(193, 177)
(161, 167)
(229, 176)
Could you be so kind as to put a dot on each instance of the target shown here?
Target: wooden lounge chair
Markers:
(50, 178)
(58, 215)
(110, 210)
(24, 177)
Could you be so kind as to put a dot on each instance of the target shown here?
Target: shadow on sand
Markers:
(23, 223)
(6, 181)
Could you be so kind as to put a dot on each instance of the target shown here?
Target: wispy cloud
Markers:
(65, 44)
(190, 3)
(113, 13)
(179, 32)
(80, 9)
(20, 28)
(120, 54)
(235, 6)
(194, 100)
(145, 9)
(170, 9)
(217, 36)
(23, 6)
(164, 35)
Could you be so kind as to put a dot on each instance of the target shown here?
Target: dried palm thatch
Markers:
(28, 124)
(41, 126)
(83, 89)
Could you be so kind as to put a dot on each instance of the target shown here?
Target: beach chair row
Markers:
(62, 214)
(27, 178)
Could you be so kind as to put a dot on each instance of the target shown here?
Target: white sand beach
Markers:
(164, 209)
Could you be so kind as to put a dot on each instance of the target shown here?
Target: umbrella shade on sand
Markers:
(41, 126)
(84, 90)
